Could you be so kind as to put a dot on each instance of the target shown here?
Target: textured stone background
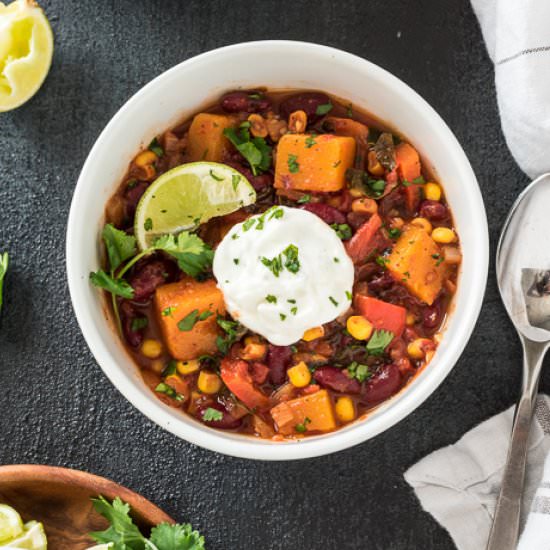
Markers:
(57, 407)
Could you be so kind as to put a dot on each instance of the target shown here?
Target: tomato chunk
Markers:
(363, 242)
(236, 377)
(382, 315)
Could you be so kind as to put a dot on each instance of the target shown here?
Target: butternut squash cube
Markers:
(205, 140)
(313, 163)
(417, 261)
(189, 299)
(314, 412)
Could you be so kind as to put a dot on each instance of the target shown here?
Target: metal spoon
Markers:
(523, 273)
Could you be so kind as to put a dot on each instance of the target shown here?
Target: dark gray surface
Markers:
(58, 408)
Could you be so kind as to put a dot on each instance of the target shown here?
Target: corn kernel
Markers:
(422, 223)
(157, 366)
(364, 205)
(313, 334)
(416, 348)
(410, 320)
(443, 235)
(373, 164)
(151, 348)
(209, 382)
(253, 351)
(188, 367)
(345, 409)
(359, 327)
(145, 158)
(432, 191)
(299, 375)
(356, 193)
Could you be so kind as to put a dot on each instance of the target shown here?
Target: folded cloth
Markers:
(459, 484)
(518, 41)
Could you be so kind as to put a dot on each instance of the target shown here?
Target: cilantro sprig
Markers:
(192, 254)
(124, 534)
(4, 260)
(255, 150)
(379, 341)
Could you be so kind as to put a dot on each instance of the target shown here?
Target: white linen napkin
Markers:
(459, 484)
(517, 34)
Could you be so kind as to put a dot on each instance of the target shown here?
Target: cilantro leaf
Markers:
(194, 256)
(256, 151)
(176, 537)
(119, 245)
(379, 341)
(118, 287)
(4, 260)
(211, 414)
(123, 532)
(343, 230)
(358, 371)
(323, 109)
(156, 147)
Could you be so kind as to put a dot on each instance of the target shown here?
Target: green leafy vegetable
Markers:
(255, 150)
(118, 287)
(343, 230)
(304, 199)
(323, 109)
(4, 260)
(156, 147)
(211, 414)
(379, 341)
(139, 323)
(233, 331)
(358, 371)
(169, 391)
(310, 141)
(394, 233)
(293, 164)
(124, 534)
(271, 299)
(190, 320)
(120, 246)
(194, 256)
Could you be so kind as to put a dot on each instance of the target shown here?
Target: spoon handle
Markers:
(505, 530)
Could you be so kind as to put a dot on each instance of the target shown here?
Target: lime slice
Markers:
(11, 524)
(32, 538)
(187, 196)
(26, 49)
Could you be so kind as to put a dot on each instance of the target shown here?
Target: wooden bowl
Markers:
(60, 498)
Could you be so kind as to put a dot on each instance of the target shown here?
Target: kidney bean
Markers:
(307, 102)
(336, 379)
(357, 219)
(278, 360)
(132, 195)
(327, 213)
(432, 316)
(344, 201)
(381, 282)
(259, 372)
(383, 384)
(433, 210)
(227, 422)
(127, 315)
(147, 276)
(235, 102)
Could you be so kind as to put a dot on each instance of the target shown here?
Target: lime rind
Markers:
(11, 524)
(187, 196)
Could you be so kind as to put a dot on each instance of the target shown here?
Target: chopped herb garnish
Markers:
(169, 391)
(255, 150)
(235, 180)
(275, 265)
(336, 260)
(381, 261)
(255, 96)
(343, 230)
(131, 183)
(379, 341)
(359, 179)
(282, 316)
(304, 199)
(156, 148)
(336, 164)
(419, 180)
(358, 371)
(139, 323)
(116, 286)
(407, 274)
(236, 261)
(248, 224)
(275, 212)
(213, 175)
(301, 428)
(294, 310)
(235, 236)
(293, 165)
(212, 415)
(291, 301)
(349, 296)
(310, 141)
(148, 224)
(292, 263)
(189, 321)
(335, 303)
(394, 233)
(405, 183)
(323, 109)
(168, 311)
(349, 110)
(233, 331)
(271, 299)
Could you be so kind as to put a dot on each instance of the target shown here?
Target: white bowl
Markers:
(183, 90)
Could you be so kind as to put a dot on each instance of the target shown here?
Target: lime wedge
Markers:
(187, 196)
(11, 524)
(32, 538)
(101, 546)
(26, 49)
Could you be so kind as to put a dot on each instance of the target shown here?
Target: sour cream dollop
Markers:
(283, 272)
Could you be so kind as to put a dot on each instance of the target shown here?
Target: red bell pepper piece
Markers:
(236, 377)
(382, 315)
(363, 242)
